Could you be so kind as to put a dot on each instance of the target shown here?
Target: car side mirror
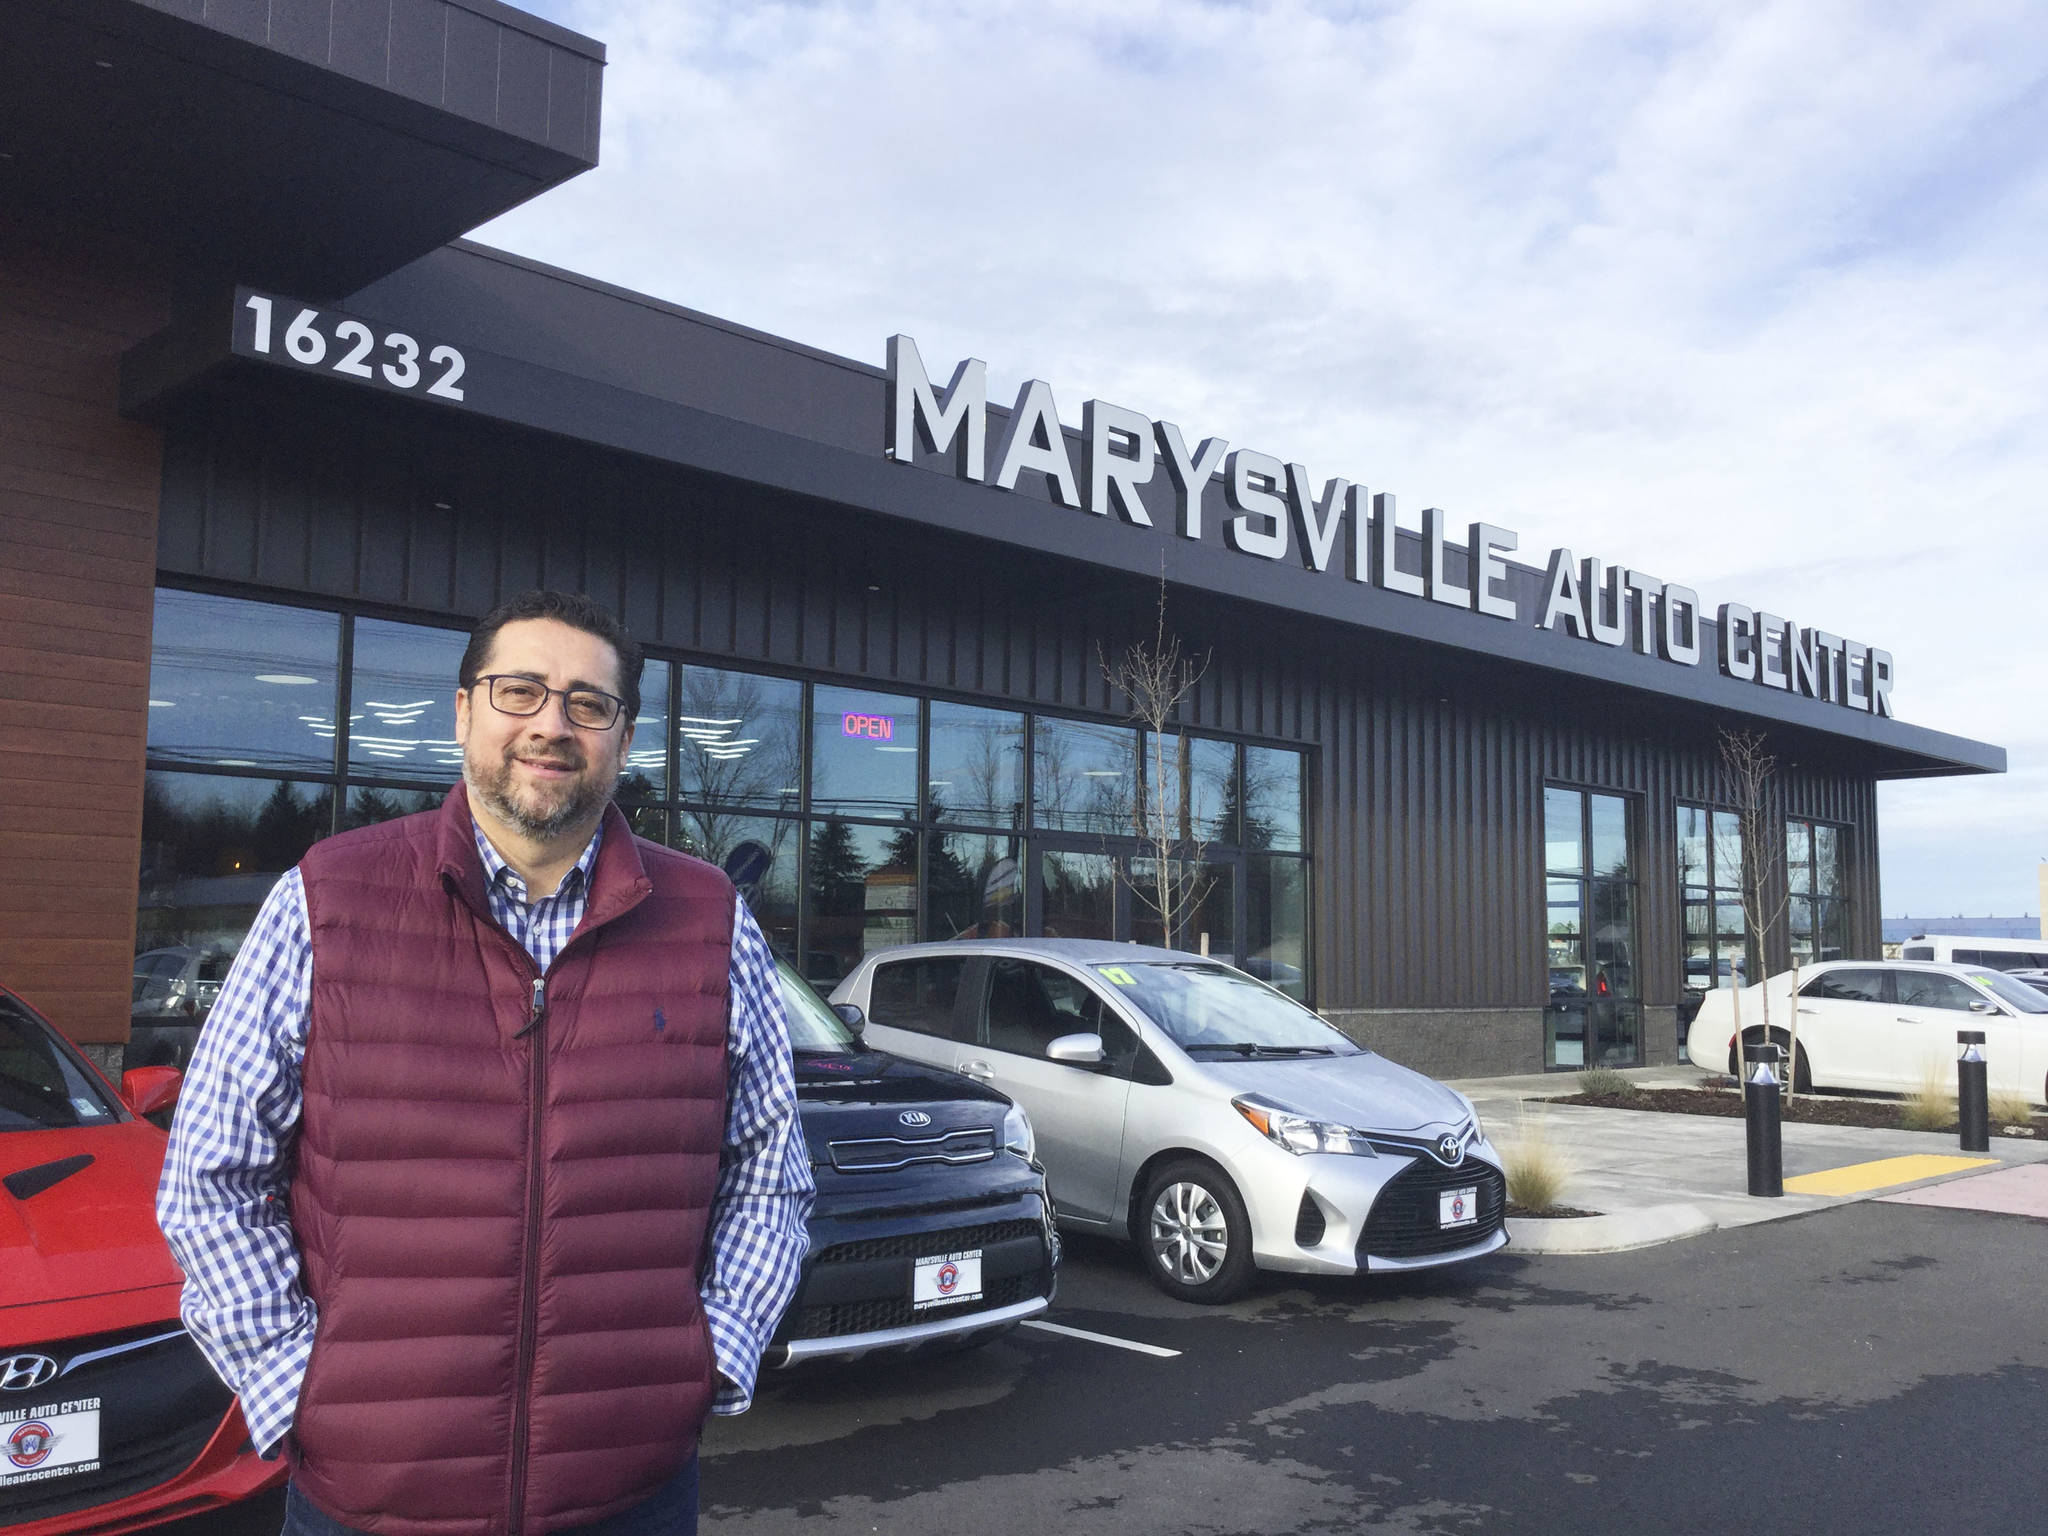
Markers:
(147, 1090)
(850, 1015)
(1978, 1005)
(1077, 1050)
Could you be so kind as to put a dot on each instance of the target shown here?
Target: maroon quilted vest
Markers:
(504, 1221)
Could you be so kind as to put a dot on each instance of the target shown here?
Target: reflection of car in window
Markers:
(175, 989)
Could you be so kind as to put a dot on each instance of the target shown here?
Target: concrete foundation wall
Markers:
(1450, 1042)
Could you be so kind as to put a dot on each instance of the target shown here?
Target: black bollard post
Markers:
(1761, 1110)
(1973, 1092)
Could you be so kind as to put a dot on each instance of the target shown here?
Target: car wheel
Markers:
(1195, 1236)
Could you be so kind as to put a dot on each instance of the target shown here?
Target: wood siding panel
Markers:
(79, 490)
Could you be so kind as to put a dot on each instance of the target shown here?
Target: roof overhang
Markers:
(549, 352)
(312, 145)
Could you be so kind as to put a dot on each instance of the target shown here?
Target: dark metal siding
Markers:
(1427, 772)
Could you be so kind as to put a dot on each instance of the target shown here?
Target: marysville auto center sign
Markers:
(1273, 511)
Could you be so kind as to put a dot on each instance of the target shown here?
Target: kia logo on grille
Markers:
(18, 1373)
(914, 1118)
(1450, 1149)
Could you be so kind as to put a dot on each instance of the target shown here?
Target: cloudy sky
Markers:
(1747, 295)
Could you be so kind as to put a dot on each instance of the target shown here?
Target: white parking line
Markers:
(1103, 1338)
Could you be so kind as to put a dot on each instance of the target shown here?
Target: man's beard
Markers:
(579, 797)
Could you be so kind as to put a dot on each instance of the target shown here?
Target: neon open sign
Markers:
(868, 727)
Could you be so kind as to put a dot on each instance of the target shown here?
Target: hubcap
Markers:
(1190, 1239)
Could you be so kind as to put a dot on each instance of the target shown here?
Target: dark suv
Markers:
(932, 1224)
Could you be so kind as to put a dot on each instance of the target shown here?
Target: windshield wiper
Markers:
(1252, 1048)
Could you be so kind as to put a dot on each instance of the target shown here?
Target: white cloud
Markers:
(1750, 295)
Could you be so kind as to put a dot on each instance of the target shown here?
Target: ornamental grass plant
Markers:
(1604, 1081)
(1538, 1168)
(2009, 1106)
(1932, 1105)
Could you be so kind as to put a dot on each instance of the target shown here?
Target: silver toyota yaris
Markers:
(1217, 1123)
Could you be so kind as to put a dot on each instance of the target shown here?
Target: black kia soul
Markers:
(932, 1225)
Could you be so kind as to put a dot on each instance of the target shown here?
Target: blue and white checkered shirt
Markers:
(224, 1202)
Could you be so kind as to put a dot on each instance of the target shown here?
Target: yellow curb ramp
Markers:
(1885, 1173)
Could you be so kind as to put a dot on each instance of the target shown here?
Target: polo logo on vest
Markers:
(660, 1021)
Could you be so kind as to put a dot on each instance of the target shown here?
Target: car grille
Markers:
(1404, 1220)
(159, 1405)
(921, 1244)
(897, 1312)
(883, 1154)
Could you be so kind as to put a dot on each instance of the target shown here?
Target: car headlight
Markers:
(1017, 1135)
(1298, 1133)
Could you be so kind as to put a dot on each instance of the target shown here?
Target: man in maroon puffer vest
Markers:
(487, 1180)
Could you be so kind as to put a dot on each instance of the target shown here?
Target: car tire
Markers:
(1802, 1070)
(1194, 1234)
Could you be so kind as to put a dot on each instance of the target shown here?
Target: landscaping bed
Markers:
(1876, 1114)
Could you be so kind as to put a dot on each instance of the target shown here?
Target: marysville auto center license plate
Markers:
(1458, 1207)
(946, 1279)
(49, 1440)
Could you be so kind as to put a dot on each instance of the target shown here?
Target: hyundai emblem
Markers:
(19, 1373)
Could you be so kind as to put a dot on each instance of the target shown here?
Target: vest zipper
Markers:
(529, 1289)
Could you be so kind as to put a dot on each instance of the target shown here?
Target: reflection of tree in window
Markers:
(739, 743)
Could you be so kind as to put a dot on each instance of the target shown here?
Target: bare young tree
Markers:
(1156, 676)
(1750, 769)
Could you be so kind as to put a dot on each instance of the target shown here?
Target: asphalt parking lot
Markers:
(1872, 1367)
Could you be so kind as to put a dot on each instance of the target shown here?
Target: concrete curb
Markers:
(1616, 1233)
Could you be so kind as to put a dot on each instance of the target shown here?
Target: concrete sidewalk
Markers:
(1658, 1177)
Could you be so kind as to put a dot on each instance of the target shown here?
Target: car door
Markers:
(1846, 1027)
(1933, 1005)
(914, 1009)
(1077, 1111)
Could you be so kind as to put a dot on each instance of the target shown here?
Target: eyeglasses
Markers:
(590, 709)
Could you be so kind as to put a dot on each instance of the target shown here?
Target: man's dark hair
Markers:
(572, 609)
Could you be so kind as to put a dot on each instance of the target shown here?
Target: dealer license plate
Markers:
(1457, 1207)
(49, 1440)
(945, 1280)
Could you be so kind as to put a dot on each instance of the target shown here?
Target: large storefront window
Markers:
(1593, 1018)
(1819, 911)
(1717, 942)
(849, 818)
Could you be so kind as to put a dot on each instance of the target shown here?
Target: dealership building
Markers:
(272, 435)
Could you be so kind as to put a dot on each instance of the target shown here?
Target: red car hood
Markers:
(93, 1233)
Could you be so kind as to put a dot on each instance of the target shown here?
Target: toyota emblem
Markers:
(1450, 1149)
(20, 1373)
(914, 1118)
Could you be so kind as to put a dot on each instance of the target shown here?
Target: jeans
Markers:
(671, 1512)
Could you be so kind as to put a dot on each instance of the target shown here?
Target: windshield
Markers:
(2016, 995)
(1210, 1010)
(812, 1026)
(41, 1087)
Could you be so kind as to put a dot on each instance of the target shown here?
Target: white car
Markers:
(1213, 1121)
(1887, 1024)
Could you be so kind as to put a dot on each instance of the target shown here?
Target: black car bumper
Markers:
(868, 1232)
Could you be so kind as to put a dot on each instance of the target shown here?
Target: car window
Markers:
(1209, 1008)
(919, 995)
(1931, 989)
(812, 1026)
(1847, 986)
(1029, 1006)
(41, 1088)
(2014, 992)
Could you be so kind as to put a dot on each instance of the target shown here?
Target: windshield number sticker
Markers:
(1119, 975)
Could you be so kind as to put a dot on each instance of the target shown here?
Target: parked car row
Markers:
(1885, 1024)
(960, 1102)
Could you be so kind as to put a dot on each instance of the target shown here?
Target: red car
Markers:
(110, 1418)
